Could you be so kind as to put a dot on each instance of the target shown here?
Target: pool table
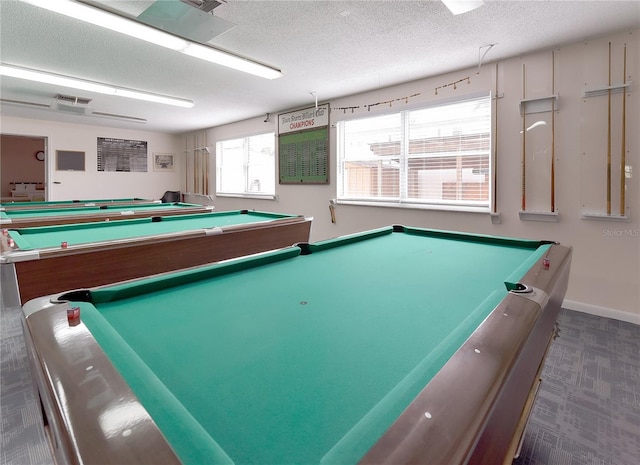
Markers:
(26, 218)
(43, 260)
(6, 206)
(391, 346)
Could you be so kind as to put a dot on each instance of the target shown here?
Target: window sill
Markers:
(250, 196)
(416, 206)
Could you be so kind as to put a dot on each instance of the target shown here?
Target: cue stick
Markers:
(524, 131)
(199, 151)
(624, 134)
(495, 151)
(195, 171)
(186, 165)
(609, 139)
(199, 166)
(553, 131)
(206, 159)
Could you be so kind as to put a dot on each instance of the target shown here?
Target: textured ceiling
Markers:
(333, 48)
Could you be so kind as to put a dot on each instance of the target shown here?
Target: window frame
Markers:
(403, 201)
(246, 165)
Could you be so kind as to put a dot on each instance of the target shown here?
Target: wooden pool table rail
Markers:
(95, 264)
(10, 206)
(101, 215)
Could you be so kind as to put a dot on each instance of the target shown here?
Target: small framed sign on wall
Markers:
(163, 162)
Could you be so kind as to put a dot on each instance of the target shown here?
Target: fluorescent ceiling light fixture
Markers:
(457, 7)
(111, 21)
(231, 61)
(133, 28)
(90, 86)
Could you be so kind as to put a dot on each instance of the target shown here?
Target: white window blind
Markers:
(437, 155)
(246, 166)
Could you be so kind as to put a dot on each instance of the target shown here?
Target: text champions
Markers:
(303, 119)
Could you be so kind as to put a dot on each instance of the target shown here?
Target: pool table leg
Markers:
(10, 294)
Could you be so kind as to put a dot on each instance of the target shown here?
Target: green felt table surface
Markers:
(92, 210)
(53, 236)
(300, 359)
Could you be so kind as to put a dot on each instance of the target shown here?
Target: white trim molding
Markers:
(602, 311)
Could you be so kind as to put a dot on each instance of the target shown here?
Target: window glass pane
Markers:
(372, 149)
(230, 166)
(437, 155)
(246, 166)
(261, 164)
(375, 178)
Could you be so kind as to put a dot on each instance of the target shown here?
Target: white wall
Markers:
(605, 275)
(91, 184)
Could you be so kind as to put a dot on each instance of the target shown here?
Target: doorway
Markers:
(23, 168)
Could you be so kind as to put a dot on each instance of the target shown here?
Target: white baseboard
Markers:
(602, 311)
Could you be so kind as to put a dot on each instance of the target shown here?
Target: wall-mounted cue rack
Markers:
(538, 106)
(198, 152)
(624, 87)
(303, 146)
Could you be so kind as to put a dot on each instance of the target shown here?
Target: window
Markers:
(438, 155)
(246, 166)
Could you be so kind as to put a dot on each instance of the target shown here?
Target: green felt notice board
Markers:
(304, 157)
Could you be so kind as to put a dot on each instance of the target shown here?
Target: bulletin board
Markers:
(69, 160)
(303, 146)
(122, 155)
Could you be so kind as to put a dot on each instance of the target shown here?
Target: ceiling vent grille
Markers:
(71, 104)
(70, 99)
(204, 5)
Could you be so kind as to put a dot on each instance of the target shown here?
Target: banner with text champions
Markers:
(303, 146)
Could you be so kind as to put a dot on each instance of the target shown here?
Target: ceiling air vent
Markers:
(204, 5)
(71, 104)
(73, 100)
